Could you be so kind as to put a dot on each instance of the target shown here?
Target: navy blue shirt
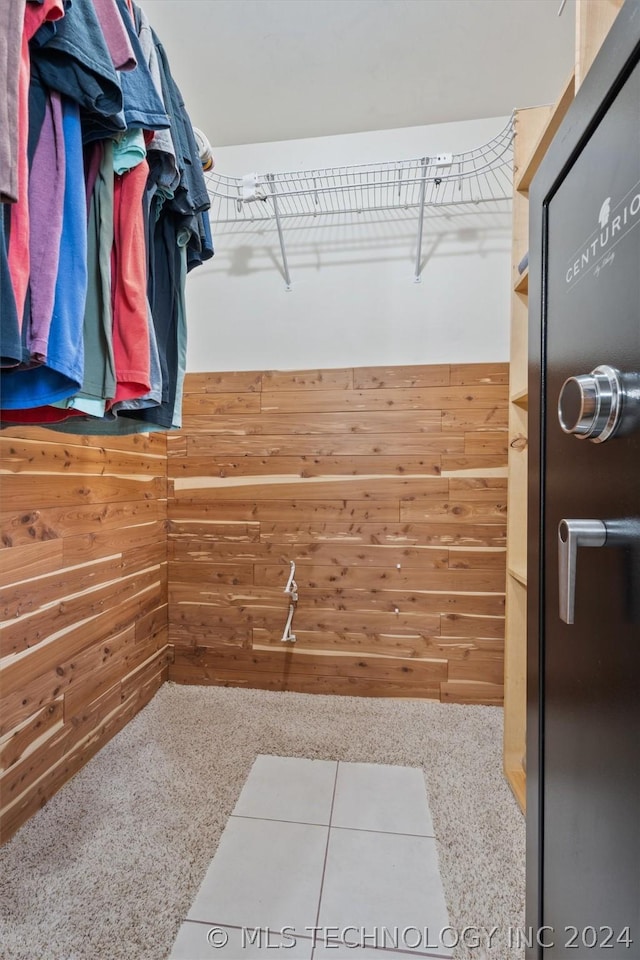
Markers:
(74, 59)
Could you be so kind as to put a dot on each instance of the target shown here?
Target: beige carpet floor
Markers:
(109, 868)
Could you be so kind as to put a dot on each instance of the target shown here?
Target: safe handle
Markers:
(587, 533)
(571, 535)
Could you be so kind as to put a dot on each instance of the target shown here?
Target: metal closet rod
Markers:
(481, 175)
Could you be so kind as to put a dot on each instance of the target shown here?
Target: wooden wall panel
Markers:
(386, 485)
(83, 602)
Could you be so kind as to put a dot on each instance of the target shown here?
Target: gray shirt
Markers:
(11, 23)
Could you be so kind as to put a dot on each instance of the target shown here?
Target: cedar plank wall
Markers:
(349, 473)
(83, 644)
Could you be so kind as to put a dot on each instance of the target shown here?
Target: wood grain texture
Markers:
(149, 444)
(29, 525)
(341, 379)
(304, 467)
(209, 404)
(231, 381)
(387, 487)
(353, 601)
(286, 510)
(457, 420)
(392, 534)
(83, 611)
(435, 375)
(33, 788)
(404, 445)
(274, 487)
(331, 424)
(47, 490)
(421, 398)
(34, 456)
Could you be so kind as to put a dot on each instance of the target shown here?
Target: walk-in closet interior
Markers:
(267, 503)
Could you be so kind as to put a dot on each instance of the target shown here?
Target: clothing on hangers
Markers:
(110, 215)
(60, 375)
(35, 15)
(115, 35)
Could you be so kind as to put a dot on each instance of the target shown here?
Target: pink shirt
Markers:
(35, 15)
(46, 201)
(115, 34)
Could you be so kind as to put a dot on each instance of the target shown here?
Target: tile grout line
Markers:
(305, 936)
(309, 823)
(380, 951)
(387, 833)
(326, 853)
(301, 823)
(273, 820)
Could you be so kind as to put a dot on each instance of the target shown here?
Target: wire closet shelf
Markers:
(481, 175)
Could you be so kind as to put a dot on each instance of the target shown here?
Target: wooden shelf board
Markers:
(521, 399)
(540, 148)
(517, 780)
(519, 575)
(522, 283)
(594, 19)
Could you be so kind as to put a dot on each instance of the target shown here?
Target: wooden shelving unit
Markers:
(521, 399)
(546, 133)
(593, 22)
(522, 285)
(530, 125)
(519, 575)
(534, 129)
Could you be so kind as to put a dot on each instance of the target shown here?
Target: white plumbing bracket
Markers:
(288, 636)
(292, 590)
(291, 582)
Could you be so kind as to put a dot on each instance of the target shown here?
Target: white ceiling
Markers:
(260, 70)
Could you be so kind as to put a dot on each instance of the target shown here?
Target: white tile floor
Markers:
(318, 855)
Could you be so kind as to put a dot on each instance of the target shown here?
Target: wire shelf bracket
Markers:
(481, 175)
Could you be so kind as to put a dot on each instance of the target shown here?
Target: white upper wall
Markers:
(353, 300)
(254, 70)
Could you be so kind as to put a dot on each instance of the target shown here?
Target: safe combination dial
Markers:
(598, 405)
